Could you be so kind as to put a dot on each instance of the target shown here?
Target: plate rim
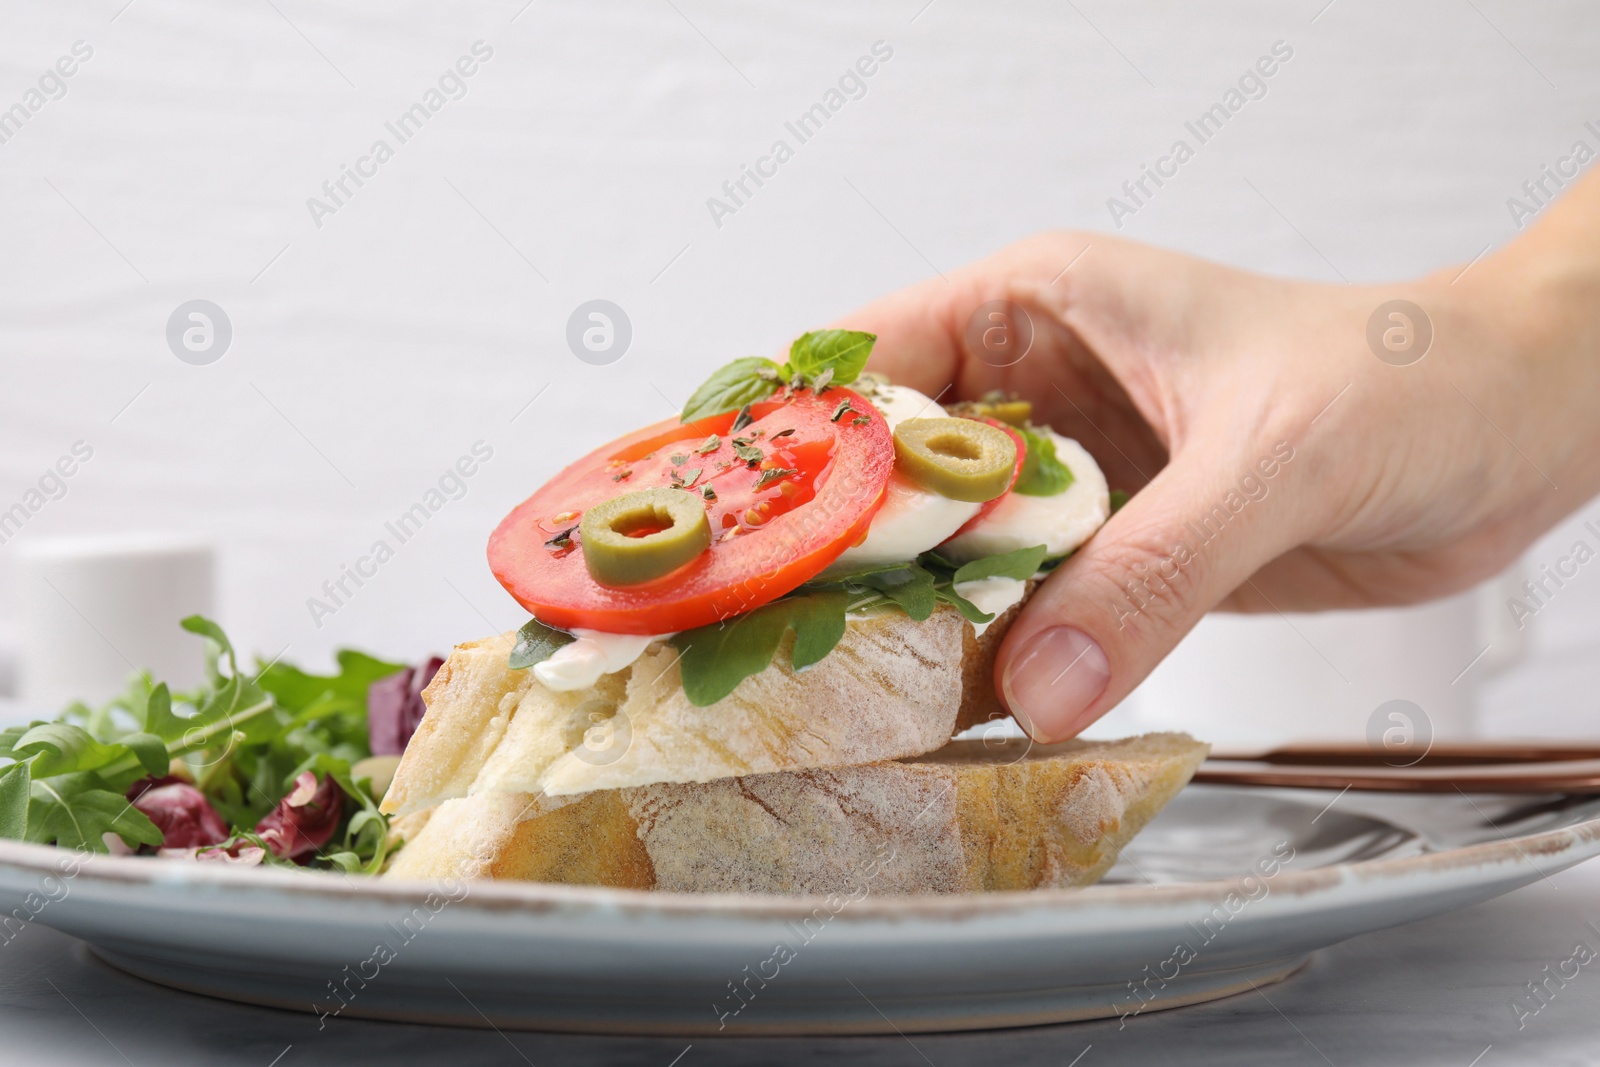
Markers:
(537, 898)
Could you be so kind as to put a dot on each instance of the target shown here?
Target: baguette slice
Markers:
(970, 817)
(890, 689)
(980, 702)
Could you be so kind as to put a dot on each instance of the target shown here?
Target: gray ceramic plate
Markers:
(1227, 889)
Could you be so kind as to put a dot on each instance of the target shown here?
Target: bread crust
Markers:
(971, 817)
(980, 699)
(890, 689)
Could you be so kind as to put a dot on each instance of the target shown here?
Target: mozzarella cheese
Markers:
(580, 664)
(912, 519)
(993, 595)
(1061, 523)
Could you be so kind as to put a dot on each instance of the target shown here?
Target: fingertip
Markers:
(1052, 682)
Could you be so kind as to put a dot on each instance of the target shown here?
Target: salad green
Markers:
(715, 659)
(242, 740)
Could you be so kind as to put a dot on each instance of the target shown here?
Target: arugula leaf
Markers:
(910, 588)
(1042, 473)
(969, 611)
(818, 622)
(59, 747)
(830, 578)
(150, 751)
(844, 352)
(76, 811)
(367, 832)
(730, 388)
(536, 643)
(1021, 564)
(15, 781)
(296, 690)
(716, 658)
(244, 740)
(199, 624)
(153, 709)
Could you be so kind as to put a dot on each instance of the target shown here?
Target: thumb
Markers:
(1113, 611)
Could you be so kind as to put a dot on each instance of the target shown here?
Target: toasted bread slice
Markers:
(890, 689)
(970, 817)
(980, 702)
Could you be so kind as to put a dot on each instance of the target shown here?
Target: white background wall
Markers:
(428, 311)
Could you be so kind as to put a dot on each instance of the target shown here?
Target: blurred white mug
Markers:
(92, 611)
(1259, 680)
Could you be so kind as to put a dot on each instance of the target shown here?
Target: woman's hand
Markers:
(1281, 461)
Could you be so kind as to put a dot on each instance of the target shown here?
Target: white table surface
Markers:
(1435, 992)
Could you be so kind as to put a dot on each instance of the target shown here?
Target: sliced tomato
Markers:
(1016, 472)
(765, 541)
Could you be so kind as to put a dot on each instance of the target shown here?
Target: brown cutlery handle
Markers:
(1564, 774)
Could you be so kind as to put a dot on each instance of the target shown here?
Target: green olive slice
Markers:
(639, 537)
(1014, 412)
(996, 405)
(957, 458)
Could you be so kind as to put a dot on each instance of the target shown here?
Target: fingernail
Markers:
(1052, 681)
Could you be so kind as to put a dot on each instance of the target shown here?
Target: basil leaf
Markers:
(536, 643)
(1021, 564)
(715, 659)
(910, 587)
(844, 352)
(14, 783)
(730, 388)
(1042, 473)
(1118, 498)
